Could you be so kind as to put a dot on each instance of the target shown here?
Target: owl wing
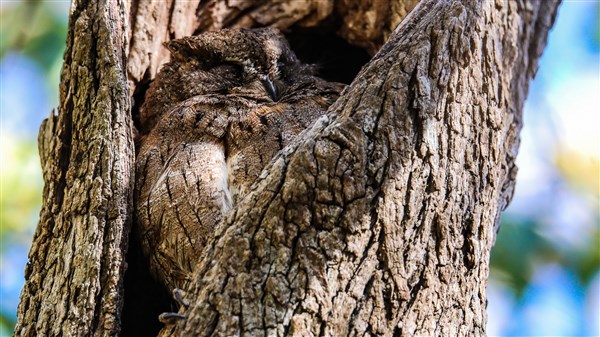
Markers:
(182, 191)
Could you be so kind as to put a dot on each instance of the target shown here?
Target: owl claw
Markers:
(171, 317)
(179, 296)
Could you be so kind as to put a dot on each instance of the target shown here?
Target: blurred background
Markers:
(545, 276)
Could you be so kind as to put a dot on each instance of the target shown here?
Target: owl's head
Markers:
(238, 58)
(257, 64)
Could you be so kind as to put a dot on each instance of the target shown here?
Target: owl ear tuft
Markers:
(196, 49)
(181, 49)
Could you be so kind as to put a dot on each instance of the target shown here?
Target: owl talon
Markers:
(179, 296)
(171, 317)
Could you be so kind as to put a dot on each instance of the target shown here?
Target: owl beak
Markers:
(270, 88)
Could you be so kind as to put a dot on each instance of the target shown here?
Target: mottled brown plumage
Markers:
(212, 119)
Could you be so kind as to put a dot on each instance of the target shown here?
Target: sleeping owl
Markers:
(213, 118)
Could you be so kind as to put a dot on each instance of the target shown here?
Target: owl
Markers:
(213, 118)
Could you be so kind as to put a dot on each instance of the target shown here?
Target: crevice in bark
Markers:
(138, 98)
(145, 298)
(336, 59)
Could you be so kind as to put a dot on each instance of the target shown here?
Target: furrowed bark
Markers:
(76, 264)
(380, 220)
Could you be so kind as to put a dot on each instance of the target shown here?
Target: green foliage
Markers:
(520, 247)
(6, 326)
(585, 260)
(37, 29)
(21, 186)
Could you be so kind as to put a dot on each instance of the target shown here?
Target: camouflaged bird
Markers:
(213, 118)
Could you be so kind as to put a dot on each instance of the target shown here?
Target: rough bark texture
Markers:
(76, 264)
(378, 221)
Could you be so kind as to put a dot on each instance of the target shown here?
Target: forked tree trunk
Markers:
(378, 221)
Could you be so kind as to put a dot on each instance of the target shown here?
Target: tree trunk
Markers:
(378, 221)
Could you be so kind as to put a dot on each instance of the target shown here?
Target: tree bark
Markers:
(378, 221)
(74, 277)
